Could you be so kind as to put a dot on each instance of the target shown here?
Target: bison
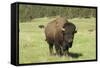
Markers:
(60, 33)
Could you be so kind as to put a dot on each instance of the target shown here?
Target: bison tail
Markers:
(41, 26)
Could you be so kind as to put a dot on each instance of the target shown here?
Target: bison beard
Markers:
(60, 33)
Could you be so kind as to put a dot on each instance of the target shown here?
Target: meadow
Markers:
(34, 49)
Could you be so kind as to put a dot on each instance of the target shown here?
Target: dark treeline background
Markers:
(29, 12)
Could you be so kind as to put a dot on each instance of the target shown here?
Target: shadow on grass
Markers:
(71, 54)
(74, 55)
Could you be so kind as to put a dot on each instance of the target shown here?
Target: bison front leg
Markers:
(66, 52)
(61, 51)
(58, 50)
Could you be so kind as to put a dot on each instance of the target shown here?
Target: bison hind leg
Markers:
(51, 48)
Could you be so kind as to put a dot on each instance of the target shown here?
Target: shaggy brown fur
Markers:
(55, 35)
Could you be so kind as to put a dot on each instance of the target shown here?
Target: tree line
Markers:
(29, 12)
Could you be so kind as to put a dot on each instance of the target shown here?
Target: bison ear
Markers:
(75, 31)
(62, 29)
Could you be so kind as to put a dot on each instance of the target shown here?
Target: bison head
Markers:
(68, 30)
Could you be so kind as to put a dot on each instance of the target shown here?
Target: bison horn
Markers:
(76, 30)
(62, 29)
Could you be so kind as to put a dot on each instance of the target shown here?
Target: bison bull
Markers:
(60, 33)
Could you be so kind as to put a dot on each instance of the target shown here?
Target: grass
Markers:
(34, 49)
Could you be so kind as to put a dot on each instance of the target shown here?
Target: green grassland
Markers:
(34, 49)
